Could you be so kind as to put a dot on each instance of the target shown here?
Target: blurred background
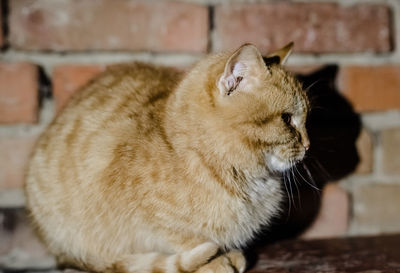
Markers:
(346, 54)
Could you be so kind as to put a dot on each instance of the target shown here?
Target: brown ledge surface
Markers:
(358, 254)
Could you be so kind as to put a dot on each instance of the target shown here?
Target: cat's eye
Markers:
(287, 118)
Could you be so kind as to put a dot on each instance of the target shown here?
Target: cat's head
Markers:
(265, 105)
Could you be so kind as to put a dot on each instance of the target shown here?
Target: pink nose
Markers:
(306, 145)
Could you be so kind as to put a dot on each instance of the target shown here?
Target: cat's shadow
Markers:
(333, 128)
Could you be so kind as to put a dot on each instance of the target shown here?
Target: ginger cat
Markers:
(152, 170)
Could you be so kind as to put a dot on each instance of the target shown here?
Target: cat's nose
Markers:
(305, 141)
(306, 144)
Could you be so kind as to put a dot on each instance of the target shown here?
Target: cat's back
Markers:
(119, 112)
(122, 93)
(126, 99)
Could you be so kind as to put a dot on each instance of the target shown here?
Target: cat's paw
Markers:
(237, 259)
(187, 261)
(198, 256)
(232, 262)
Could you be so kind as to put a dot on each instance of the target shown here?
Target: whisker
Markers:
(323, 171)
(314, 184)
(287, 191)
(291, 189)
(317, 107)
(309, 174)
(305, 180)
(296, 184)
(312, 84)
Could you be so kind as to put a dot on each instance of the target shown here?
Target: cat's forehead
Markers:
(286, 89)
(282, 78)
(300, 104)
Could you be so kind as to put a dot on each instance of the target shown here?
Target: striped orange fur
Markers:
(149, 169)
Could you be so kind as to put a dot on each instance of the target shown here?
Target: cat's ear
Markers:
(279, 56)
(238, 68)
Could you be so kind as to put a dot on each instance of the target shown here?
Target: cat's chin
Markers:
(276, 164)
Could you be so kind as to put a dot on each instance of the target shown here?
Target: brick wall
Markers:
(51, 48)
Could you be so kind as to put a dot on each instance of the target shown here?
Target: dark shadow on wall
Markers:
(333, 128)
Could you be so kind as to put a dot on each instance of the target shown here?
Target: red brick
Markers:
(333, 217)
(376, 208)
(18, 93)
(67, 79)
(108, 25)
(391, 151)
(371, 88)
(364, 146)
(314, 27)
(14, 156)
